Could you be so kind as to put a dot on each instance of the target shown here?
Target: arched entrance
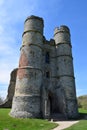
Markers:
(54, 105)
(50, 103)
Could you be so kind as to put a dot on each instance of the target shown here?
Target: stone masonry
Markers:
(11, 89)
(45, 82)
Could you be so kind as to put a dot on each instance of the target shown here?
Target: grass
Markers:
(81, 110)
(82, 124)
(9, 123)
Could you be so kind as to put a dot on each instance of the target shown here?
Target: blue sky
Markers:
(13, 13)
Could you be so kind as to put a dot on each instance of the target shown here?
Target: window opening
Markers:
(47, 58)
(47, 74)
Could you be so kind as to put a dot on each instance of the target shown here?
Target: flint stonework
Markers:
(45, 82)
(11, 89)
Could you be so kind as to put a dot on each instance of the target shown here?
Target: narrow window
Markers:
(47, 58)
(47, 74)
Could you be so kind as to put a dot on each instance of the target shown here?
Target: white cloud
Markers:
(3, 91)
(3, 94)
(14, 11)
(12, 16)
(1, 2)
(5, 73)
(1, 30)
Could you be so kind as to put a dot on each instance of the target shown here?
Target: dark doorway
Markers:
(50, 102)
(54, 104)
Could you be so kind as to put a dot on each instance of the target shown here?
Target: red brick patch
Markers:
(23, 60)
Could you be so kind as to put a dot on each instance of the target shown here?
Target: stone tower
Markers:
(26, 102)
(45, 82)
(65, 72)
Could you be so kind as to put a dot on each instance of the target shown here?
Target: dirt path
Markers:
(64, 124)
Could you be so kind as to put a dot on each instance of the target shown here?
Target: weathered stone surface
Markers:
(45, 81)
(23, 103)
(11, 89)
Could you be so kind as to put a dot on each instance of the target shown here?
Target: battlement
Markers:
(33, 24)
(62, 28)
(34, 17)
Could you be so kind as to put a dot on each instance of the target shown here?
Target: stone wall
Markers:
(11, 90)
(45, 81)
(65, 71)
(26, 101)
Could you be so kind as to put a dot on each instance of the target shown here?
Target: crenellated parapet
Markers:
(62, 35)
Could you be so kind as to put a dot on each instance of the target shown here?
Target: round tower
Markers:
(65, 72)
(26, 101)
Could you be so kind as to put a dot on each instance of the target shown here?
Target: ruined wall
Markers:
(11, 89)
(45, 81)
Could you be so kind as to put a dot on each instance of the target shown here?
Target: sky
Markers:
(13, 13)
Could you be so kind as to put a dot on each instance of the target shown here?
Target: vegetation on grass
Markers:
(82, 124)
(82, 102)
(81, 110)
(9, 123)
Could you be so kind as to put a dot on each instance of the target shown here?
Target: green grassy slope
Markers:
(82, 124)
(9, 123)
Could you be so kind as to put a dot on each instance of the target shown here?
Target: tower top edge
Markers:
(34, 17)
(62, 28)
